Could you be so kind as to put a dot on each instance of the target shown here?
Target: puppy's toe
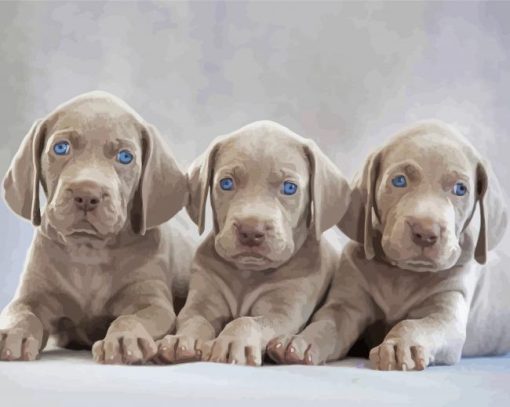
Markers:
(98, 351)
(131, 352)
(112, 353)
(374, 358)
(206, 350)
(312, 356)
(185, 350)
(387, 358)
(199, 349)
(148, 347)
(296, 350)
(30, 349)
(276, 349)
(12, 344)
(420, 357)
(403, 357)
(253, 355)
(166, 349)
(237, 353)
(219, 352)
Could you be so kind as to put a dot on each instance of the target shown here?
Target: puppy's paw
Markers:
(129, 348)
(400, 354)
(291, 350)
(233, 350)
(18, 344)
(178, 349)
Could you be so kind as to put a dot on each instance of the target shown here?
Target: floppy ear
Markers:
(199, 176)
(329, 190)
(21, 184)
(357, 221)
(493, 212)
(481, 189)
(162, 191)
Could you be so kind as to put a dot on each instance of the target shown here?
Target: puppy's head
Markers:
(415, 204)
(101, 167)
(269, 189)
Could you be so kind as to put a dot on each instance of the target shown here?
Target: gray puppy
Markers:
(426, 209)
(100, 267)
(266, 266)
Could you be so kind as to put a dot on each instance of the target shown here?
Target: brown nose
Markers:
(87, 196)
(250, 233)
(86, 203)
(425, 233)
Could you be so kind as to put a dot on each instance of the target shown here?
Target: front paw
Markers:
(128, 347)
(178, 349)
(18, 344)
(233, 350)
(400, 354)
(292, 350)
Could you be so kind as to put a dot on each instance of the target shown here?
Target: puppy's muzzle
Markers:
(425, 232)
(251, 232)
(87, 195)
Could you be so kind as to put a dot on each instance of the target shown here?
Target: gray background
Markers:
(346, 74)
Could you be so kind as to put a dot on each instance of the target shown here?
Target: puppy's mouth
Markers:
(417, 264)
(84, 235)
(247, 258)
(85, 230)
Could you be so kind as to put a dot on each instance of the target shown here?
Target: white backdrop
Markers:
(346, 74)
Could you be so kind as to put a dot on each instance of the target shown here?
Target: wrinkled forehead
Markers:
(94, 123)
(435, 155)
(263, 154)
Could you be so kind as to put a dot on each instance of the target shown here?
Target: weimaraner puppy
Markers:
(263, 269)
(426, 209)
(100, 267)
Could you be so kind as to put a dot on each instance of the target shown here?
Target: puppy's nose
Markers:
(425, 233)
(87, 197)
(86, 203)
(250, 233)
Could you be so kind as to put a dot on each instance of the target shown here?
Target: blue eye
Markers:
(459, 189)
(289, 188)
(399, 181)
(125, 157)
(227, 184)
(62, 148)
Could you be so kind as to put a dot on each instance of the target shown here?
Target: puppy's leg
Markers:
(334, 328)
(22, 335)
(331, 333)
(26, 322)
(434, 332)
(145, 313)
(201, 319)
(244, 340)
(240, 342)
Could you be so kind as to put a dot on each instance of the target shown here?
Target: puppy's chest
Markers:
(244, 292)
(88, 256)
(396, 292)
(91, 288)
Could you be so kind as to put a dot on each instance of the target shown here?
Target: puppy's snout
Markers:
(250, 232)
(424, 232)
(87, 196)
(86, 203)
